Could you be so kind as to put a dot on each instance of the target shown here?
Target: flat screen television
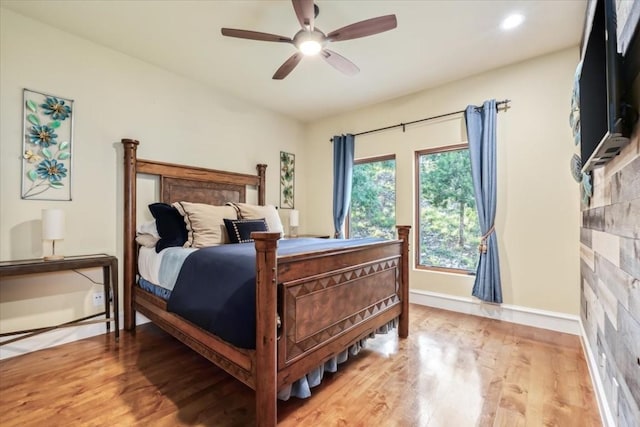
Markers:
(604, 129)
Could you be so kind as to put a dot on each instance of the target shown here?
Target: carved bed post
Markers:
(266, 371)
(403, 234)
(262, 170)
(129, 244)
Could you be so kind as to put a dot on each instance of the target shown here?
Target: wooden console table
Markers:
(109, 266)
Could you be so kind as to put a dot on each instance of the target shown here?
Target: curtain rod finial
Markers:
(504, 105)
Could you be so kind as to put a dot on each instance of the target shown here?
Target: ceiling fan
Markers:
(311, 41)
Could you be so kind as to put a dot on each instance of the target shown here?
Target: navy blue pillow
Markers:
(240, 230)
(170, 225)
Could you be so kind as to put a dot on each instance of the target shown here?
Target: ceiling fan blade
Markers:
(340, 63)
(364, 28)
(305, 13)
(288, 66)
(255, 35)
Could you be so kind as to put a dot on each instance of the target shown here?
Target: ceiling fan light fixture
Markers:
(309, 42)
(310, 47)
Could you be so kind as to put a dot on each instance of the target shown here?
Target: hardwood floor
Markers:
(453, 370)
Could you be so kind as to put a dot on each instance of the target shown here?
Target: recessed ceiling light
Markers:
(512, 21)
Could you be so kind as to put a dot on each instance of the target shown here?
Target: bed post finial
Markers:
(129, 244)
(403, 234)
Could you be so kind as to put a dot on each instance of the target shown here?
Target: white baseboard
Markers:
(57, 337)
(551, 320)
(601, 398)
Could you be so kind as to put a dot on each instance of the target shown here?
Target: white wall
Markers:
(116, 96)
(538, 201)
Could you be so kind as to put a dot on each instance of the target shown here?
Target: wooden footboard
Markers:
(319, 307)
(327, 300)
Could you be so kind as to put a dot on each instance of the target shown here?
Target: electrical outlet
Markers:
(98, 299)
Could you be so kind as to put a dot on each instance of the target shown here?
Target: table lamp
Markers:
(53, 229)
(294, 217)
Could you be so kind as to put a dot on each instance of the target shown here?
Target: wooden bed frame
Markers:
(327, 300)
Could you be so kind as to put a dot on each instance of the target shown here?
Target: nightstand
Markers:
(109, 266)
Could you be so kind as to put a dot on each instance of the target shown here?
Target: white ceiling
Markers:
(435, 42)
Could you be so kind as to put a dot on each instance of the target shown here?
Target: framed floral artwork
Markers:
(287, 180)
(47, 143)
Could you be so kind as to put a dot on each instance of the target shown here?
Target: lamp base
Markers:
(53, 257)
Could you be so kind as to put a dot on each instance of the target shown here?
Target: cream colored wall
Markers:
(538, 201)
(116, 96)
(180, 121)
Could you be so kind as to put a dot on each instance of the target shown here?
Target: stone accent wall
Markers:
(610, 280)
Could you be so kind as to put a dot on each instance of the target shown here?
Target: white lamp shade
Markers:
(294, 218)
(52, 224)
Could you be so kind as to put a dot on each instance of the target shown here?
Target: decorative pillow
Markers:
(169, 224)
(268, 212)
(205, 223)
(240, 229)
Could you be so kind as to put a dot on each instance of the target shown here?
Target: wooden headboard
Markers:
(177, 183)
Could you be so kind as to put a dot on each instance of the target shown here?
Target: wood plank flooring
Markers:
(453, 370)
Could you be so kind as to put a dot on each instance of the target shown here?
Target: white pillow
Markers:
(148, 227)
(268, 212)
(205, 223)
(147, 240)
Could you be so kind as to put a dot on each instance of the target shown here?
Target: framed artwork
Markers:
(47, 141)
(287, 180)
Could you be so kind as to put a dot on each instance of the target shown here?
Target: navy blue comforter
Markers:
(216, 286)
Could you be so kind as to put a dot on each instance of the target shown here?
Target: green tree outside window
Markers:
(449, 229)
(373, 199)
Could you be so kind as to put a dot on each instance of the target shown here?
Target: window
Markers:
(448, 230)
(373, 198)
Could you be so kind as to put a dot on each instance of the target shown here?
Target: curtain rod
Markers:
(500, 106)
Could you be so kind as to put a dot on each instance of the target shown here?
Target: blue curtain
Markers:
(343, 149)
(481, 134)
